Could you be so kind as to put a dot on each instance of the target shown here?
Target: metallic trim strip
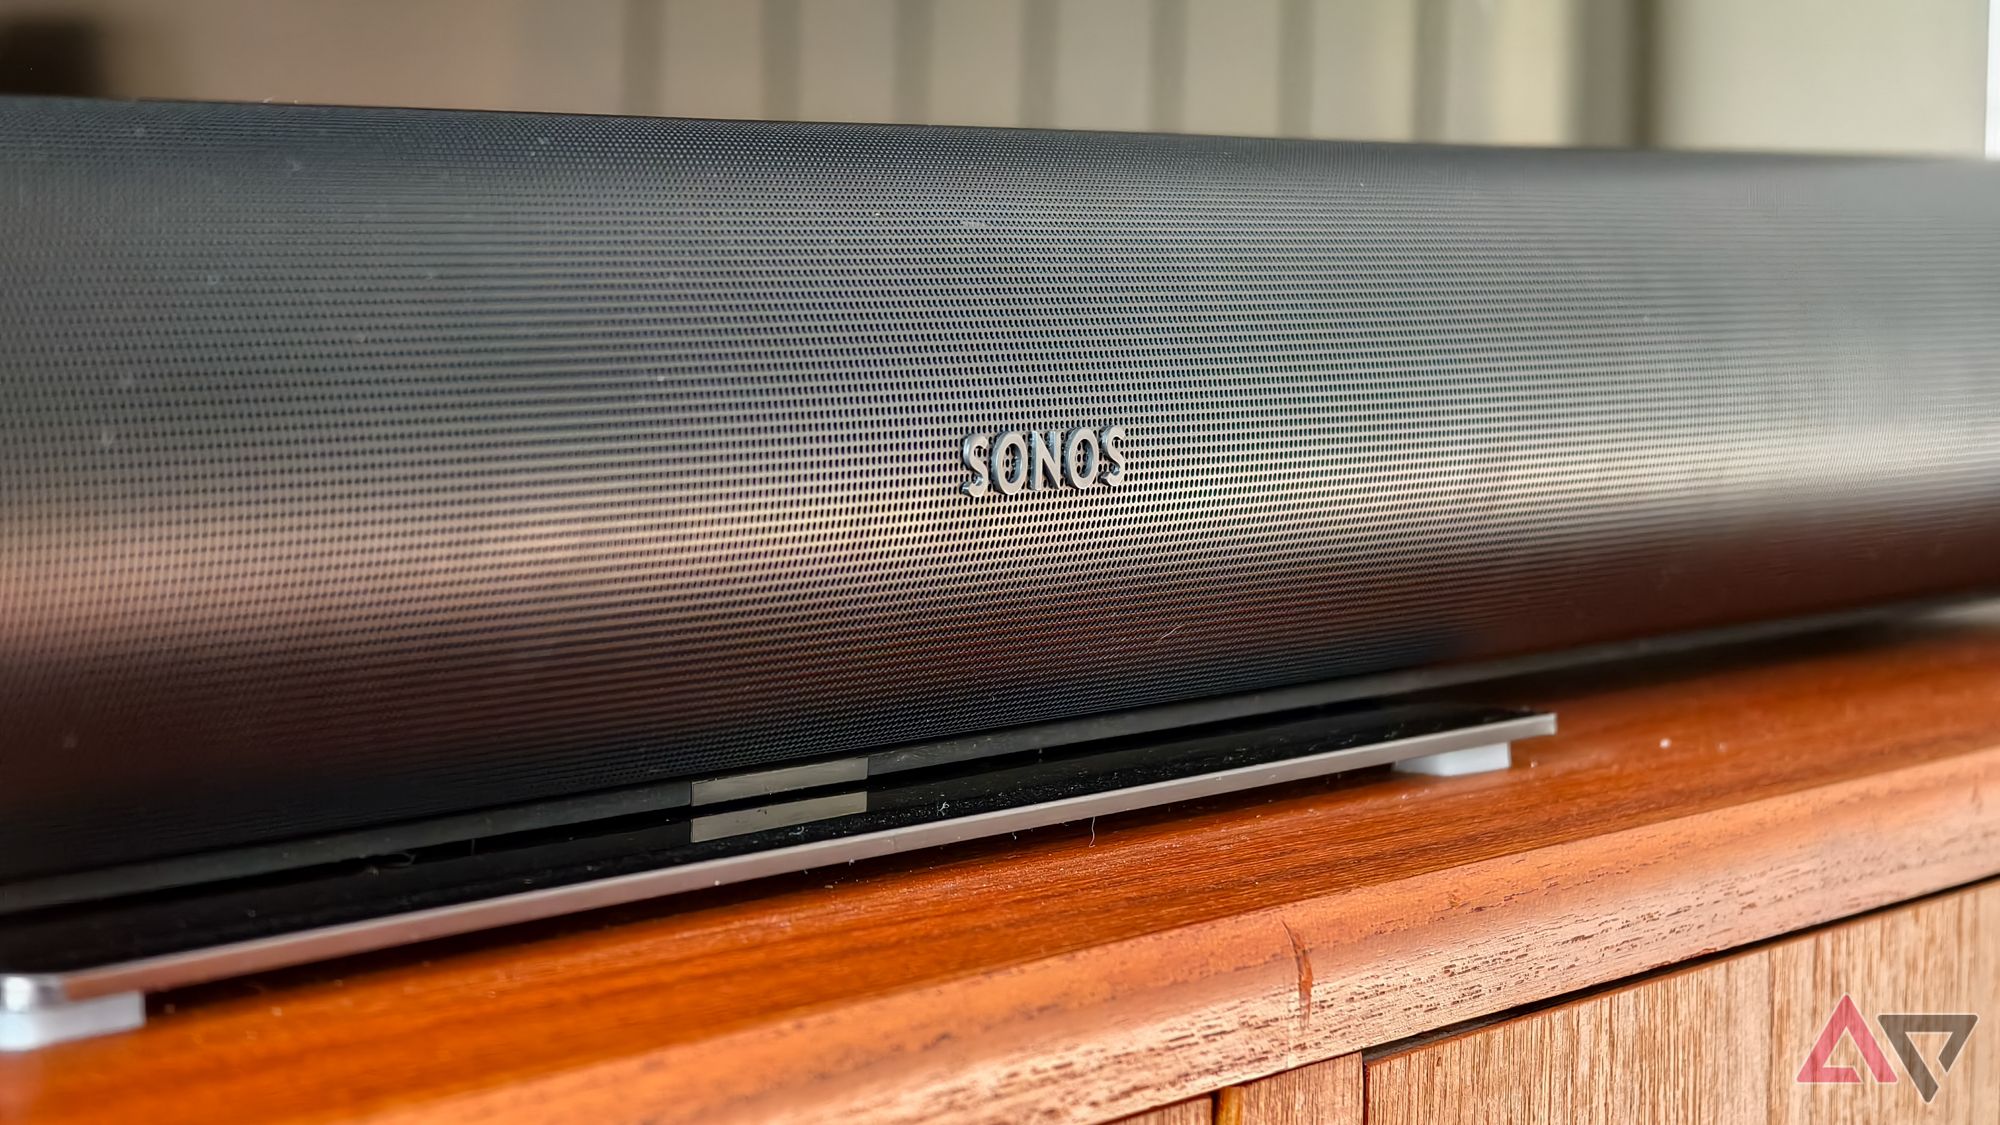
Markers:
(763, 783)
(197, 965)
(716, 826)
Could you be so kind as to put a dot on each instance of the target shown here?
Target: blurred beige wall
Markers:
(1867, 75)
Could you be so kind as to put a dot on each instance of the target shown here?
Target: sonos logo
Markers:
(1010, 462)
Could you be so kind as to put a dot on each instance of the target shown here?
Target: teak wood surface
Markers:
(1089, 972)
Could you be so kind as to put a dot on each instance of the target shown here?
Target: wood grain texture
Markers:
(1084, 973)
(1685, 1049)
(1194, 1111)
(1325, 1093)
(1941, 955)
(1723, 1042)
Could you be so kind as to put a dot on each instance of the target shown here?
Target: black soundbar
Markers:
(359, 467)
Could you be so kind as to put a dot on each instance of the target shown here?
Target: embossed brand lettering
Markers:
(1015, 461)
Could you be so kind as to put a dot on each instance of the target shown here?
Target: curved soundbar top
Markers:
(360, 466)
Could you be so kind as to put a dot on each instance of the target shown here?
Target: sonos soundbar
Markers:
(361, 468)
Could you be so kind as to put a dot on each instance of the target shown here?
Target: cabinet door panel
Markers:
(1724, 1041)
(1327, 1093)
(1941, 956)
(1687, 1047)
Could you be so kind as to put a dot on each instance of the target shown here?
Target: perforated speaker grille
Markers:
(362, 465)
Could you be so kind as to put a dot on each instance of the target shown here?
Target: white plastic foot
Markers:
(1458, 763)
(34, 1016)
